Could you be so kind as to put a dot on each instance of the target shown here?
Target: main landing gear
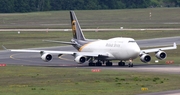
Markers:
(108, 63)
(121, 63)
(92, 64)
(99, 63)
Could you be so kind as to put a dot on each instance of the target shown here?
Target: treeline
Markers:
(10, 6)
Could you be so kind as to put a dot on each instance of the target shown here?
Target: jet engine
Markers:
(145, 58)
(161, 55)
(80, 59)
(46, 57)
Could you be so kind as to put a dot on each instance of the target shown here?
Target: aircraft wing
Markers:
(42, 51)
(158, 49)
(92, 54)
(86, 54)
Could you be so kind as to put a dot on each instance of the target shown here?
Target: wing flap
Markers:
(92, 54)
(44, 51)
(87, 54)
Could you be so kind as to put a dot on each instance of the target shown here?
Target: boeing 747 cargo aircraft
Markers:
(98, 52)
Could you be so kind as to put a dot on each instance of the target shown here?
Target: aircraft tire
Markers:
(92, 64)
(130, 65)
(98, 64)
(109, 64)
(121, 63)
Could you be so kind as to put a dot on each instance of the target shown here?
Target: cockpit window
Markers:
(132, 41)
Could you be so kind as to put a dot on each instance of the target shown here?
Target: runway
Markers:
(34, 59)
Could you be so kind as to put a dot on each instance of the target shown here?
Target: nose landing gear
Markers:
(121, 63)
(130, 63)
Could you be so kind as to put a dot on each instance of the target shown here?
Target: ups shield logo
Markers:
(74, 27)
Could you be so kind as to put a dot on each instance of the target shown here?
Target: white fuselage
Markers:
(116, 48)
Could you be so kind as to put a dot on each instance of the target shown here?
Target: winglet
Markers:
(4, 47)
(175, 46)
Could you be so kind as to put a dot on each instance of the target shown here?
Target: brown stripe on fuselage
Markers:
(82, 47)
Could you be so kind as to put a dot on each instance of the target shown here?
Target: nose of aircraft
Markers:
(137, 50)
(134, 51)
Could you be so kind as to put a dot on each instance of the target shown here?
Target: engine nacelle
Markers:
(145, 58)
(161, 55)
(80, 59)
(46, 57)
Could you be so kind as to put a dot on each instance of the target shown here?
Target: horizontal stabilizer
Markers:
(62, 42)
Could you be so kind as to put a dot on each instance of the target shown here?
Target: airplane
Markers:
(98, 52)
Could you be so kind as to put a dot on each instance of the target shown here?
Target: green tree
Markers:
(91, 4)
(177, 3)
(6, 6)
(79, 4)
(43, 5)
(21, 6)
(136, 3)
(102, 4)
(32, 5)
(56, 4)
(155, 3)
(116, 4)
(46, 5)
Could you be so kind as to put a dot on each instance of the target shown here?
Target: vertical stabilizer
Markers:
(76, 28)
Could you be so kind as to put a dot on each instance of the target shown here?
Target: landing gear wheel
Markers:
(108, 63)
(91, 64)
(130, 65)
(98, 64)
(121, 63)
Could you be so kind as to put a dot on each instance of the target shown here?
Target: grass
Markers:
(89, 19)
(31, 39)
(127, 18)
(76, 81)
(172, 55)
(34, 39)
